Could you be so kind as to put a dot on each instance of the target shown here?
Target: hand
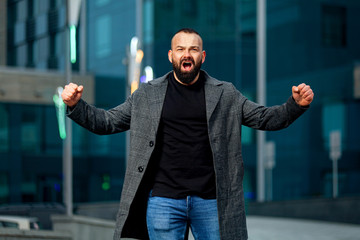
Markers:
(302, 94)
(72, 94)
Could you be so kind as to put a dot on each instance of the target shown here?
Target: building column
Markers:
(3, 32)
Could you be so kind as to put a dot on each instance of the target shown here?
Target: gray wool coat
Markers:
(226, 110)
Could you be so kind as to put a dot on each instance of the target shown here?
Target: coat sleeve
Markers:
(270, 118)
(101, 121)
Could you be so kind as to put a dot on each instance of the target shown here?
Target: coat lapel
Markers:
(156, 97)
(212, 94)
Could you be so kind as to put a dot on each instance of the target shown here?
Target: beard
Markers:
(186, 77)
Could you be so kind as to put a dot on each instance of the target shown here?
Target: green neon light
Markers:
(106, 182)
(72, 43)
(105, 186)
(60, 114)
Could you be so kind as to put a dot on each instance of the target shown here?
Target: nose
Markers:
(187, 53)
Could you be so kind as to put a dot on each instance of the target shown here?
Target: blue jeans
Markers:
(168, 218)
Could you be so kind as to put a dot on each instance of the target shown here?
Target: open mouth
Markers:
(187, 65)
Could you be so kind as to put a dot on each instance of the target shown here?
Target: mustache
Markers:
(187, 60)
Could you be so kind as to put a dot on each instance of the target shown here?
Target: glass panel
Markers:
(103, 36)
(189, 8)
(59, 48)
(49, 188)
(30, 129)
(21, 55)
(333, 118)
(4, 188)
(100, 145)
(247, 134)
(22, 10)
(81, 138)
(28, 187)
(4, 129)
(41, 6)
(100, 3)
(334, 26)
(19, 33)
(148, 22)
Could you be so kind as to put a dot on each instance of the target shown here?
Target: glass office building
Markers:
(32, 67)
(307, 41)
(315, 42)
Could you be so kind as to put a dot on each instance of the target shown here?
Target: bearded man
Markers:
(185, 163)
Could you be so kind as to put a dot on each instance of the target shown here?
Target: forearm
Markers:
(98, 120)
(271, 118)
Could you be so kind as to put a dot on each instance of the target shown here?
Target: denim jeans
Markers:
(167, 218)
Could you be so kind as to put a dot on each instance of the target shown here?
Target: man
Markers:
(185, 163)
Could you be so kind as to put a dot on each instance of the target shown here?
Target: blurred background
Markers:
(310, 41)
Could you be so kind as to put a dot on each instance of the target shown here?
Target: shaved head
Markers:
(188, 31)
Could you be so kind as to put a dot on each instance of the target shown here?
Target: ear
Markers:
(203, 56)
(170, 55)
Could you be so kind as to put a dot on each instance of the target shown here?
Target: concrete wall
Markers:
(357, 80)
(20, 85)
(346, 210)
(104, 210)
(84, 228)
(16, 234)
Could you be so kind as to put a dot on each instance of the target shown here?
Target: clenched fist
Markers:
(302, 94)
(72, 94)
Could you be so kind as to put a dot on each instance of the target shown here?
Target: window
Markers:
(41, 52)
(100, 145)
(41, 6)
(148, 22)
(103, 36)
(21, 12)
(55, 4)
(249, 36)
(333, 26)
(52, 59)
(167, 4)
(28, 187)
(189, 8)
(20, 29)
(100, 3)
(21, 55)
(213, 13)
(4, 129)
(247, 133)
(30, 55)
(333, 118)
(4, 188)
(30, 129)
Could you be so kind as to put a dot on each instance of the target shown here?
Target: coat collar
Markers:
(208, 79)
(156, 95)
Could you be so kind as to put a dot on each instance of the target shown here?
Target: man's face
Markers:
(186, 56)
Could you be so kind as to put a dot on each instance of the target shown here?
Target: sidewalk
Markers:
(268, 228)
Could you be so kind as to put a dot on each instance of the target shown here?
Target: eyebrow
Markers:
(194, 46)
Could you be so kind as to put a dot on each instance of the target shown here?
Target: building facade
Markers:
(307, 41)
(315, 42)
(33, 65)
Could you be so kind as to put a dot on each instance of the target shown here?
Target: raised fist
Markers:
(72, 94)
(303, 94)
